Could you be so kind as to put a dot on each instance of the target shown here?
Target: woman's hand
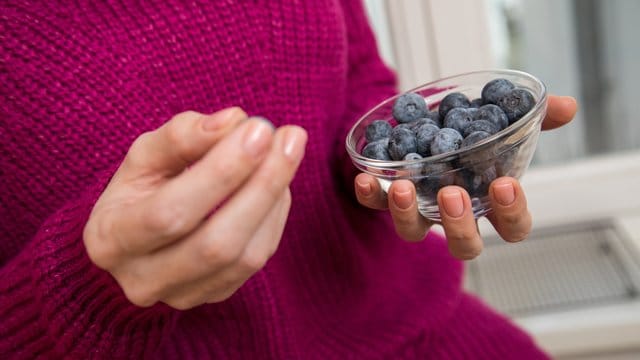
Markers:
(151, 230)
(510, 216)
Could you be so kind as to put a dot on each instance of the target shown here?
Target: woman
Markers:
(133, 228)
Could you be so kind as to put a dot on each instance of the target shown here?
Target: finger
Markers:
(369, 193)
(510, 216)
(185, 138)
(241, 216)
(266, 239)
(221, 240)
(183, 202)
(459, 223)
(403, 206)
(219, 284)
(560, 110)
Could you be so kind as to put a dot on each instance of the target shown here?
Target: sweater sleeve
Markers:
(55, 303)
(369, 80)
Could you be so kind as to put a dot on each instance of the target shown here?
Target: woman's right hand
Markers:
(150, 227)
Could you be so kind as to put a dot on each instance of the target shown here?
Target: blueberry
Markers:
(474, 137)
(437, 176)
(516, 103)
(446, 140)
(415, 125)
(428, 186)
(412, 156)
(494, 114)
(476, 183)
(402, 142)
(451, 101)
(424, 137)
(409, 107)
(495, 89)
(435, 116)
(377, 150)
(459, 118)
(377, 130)
(480, 125)
(476, 103)
(408, 126)
(507, 161)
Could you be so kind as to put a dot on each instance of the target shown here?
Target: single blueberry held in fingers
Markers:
(452, 101)
(474, 137)
(409, 107)
(446, 140)
(377, 130)
(412, 156)
(377, 150)
(424, 136)
(476, 103)
(480, 125)
(494, 114)
(402, 142)
(459, 118)
(516, 103)
(495, 89)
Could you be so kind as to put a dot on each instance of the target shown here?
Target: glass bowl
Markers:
(506, 153)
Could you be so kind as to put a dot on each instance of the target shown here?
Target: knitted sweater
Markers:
(80, 82)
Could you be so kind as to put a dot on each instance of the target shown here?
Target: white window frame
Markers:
(427, 44)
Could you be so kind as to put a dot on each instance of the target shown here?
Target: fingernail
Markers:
(452, 202)
(364, 188)
(220, 119)
(257, 137)
(403, 199)
(504, 193)
(262, 118)
(294, 144)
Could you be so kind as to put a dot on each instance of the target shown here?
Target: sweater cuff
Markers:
(52, 297)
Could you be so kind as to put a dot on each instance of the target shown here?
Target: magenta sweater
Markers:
(80, 82)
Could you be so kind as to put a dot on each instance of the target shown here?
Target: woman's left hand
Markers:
(510, 216)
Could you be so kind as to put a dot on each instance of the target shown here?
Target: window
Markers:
(583, 48)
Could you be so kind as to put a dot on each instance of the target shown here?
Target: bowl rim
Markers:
(384, 164)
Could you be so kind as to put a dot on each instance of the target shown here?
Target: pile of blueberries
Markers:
(457, 123)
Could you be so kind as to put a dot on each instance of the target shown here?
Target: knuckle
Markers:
(253, 261)
(466, 253)
(272, 183)
(167, 221)
(217, 253)
(511, 219)
(137, 154)
(517, 226)
(188, 115)
(464, 246)
(404, 220)
(517, 236)
(178, 138)
(183, 303)
(139, 295)
(221, 295)
(469, 254)
(228, 168)
(414, 235)
(100, 248)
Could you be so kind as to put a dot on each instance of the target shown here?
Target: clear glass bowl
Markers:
(506, 153)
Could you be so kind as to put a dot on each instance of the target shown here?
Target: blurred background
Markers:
(575, 283)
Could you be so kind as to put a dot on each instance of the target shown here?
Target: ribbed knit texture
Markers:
(80, 82)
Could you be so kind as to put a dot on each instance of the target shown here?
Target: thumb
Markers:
(181, 141)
